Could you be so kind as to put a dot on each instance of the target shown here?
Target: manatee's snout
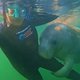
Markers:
(45, 52)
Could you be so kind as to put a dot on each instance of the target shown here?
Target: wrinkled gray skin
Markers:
(62, 44)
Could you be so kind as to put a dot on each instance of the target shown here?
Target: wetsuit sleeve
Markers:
(39, 19)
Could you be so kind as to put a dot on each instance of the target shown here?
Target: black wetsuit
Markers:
(20, 44)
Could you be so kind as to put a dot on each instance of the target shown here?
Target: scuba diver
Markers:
(19, 40)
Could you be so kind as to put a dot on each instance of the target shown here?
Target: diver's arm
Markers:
(39, 19)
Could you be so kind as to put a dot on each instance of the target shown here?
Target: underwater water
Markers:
(7, 71)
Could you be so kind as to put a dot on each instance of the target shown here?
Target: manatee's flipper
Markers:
(53, 65)
(65, 70)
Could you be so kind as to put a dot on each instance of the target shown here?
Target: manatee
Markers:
(61, 42)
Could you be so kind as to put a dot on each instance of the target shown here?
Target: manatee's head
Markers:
(50, 41)
(48, 45)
